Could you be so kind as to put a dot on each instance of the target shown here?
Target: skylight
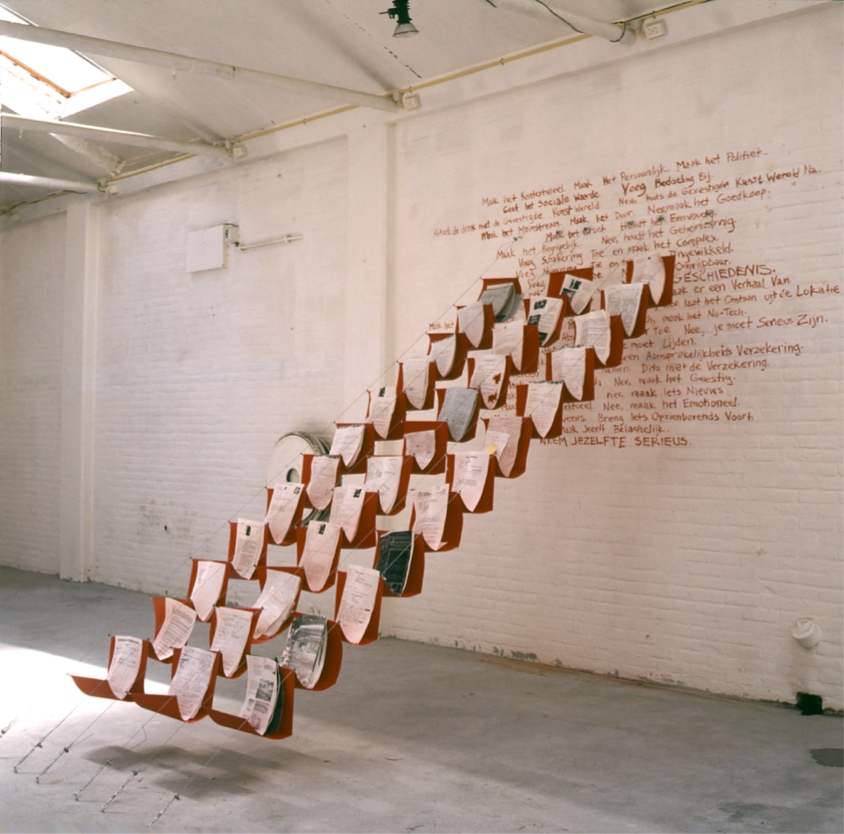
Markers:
(50, 81)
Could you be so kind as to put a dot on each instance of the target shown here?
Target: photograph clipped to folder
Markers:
(284, 511)
(247, 546)
(319, 548)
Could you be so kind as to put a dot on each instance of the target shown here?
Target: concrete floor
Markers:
(412, 738)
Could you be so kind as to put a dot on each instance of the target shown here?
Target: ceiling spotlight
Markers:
(404, 27)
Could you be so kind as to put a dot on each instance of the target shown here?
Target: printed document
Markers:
(502, 440)
(471, 320)
(568, 365)
(283, 508)
(579, 292)
(264, 700)
(624, 300)
(430, 508)
(458, 411)
(346, 508)
(277, 601)
(382, 407)
(231, 633)
(508, 339)
(207, 587)
(125, 665)
(545, 314)
(383, 475)
(421, 445)
(348, 443)
(248, 546)
(192, 679)
(358, 601)
(650, 270)
(324, 476)
(488, 376)
(179, 620)
(415, 374)
(470, 473)
(503, 298)
(543, 402)
(322, 543)
(443, 352)
(593, 330)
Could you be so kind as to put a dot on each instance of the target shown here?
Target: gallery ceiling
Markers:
(204, 73)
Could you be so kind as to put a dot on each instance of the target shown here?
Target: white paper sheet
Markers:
(320, 488)
(508, 339)
(443, 352)
(277, 601)
(578, 290)
(488, 377)
(346, 508)
(230, 636)
(207, 587)
(421, 445)
(430, 508)
(321, 543)
(470, 473)
(593, 330)
(348, 443)
(382, 407)
(125, 665)
(458, 410)
(650, 270)
(470, 320)
(358, 601)
(191, 681)
(283, 508)
(248, 546)
(415, 375)
(179, 620)
(504, 426)
(383, 475)
(545, 314)
(543, 402)
(568, 365)
(263, 688)
(624, 300)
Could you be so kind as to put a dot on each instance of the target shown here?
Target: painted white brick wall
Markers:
(31, 286)
(200, 374)
(686, 564)
(683, 564)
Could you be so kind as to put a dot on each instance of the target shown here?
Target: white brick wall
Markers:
(684, 564)
(200, 374)
(31, 285)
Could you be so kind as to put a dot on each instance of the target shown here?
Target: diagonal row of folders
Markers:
(507, 363)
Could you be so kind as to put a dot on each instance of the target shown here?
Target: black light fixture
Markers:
(404, 27)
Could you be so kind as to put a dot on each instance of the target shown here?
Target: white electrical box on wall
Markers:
(206, 249)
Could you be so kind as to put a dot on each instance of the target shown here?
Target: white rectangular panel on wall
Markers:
(206, 249)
